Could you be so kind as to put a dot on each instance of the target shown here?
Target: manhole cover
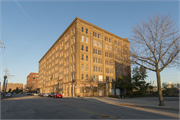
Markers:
(104, 116)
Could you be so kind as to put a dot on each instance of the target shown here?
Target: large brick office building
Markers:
(83, 61)
(32, 80)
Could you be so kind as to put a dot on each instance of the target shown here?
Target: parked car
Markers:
(45, 95)
(28, 93)
(41, 94)
(8, 94)
(51, 94)
(35, 94)
(57, 95)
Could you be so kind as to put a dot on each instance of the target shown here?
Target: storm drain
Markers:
(104, 116)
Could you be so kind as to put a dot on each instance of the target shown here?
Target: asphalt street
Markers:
(21, 106)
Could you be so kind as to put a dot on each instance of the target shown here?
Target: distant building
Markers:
(32, 79)
(13, 86)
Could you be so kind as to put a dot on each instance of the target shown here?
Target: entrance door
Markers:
(100, 92)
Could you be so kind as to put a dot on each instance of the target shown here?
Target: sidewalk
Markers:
(171, 103)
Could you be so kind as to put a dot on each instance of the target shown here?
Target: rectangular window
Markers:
(82, 57)
(99, 52)
(82, 48)
(100, 69)
(106, 46)
(111, 63)
(119, 43)
(106, 54)
(82, 67)
(86, 40)
(86, 58)
(94, 42)
(110, 55)
(82, 76)
(86, 48)
(110, 40)
(106, 62)
(94, 60)
(115, 42)
(100, 60)
(95, 51)
(82, 29)
(99, 44)
(107, 78)
(106, 38)
(95, 77)
(82, 39)
(116, 49)
(86, 67)
(86, 31)
(86, 76)
(107, 70)
(110, 47)
(95, 68)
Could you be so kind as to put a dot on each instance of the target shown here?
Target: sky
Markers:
(29, 28)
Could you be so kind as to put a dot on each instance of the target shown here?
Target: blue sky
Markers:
(29, 29)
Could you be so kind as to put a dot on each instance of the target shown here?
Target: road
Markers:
(21, 106)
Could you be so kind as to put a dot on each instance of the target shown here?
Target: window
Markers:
(110, 40)
(86, 67)
(86, 40)
(119, 43)
(95, 42)
(95, 77)
(100, 69)
(86, 76)
(99, 52)
(82, 67)
(99, 44)
(116, 49)
(86, 58)
(82, 76)
(107, 78)
(99, 35)
(106, 54)
(82, 57)
(95, 51)
(82, 47)
(110, 47)
(94, 60)
(106, 38)
(107, 70)
(86, 31)
(106, 46)
(115, 42)
(116, 56)
(33, 78)
(86, 48)
(95, 68)
(106, 62)
(110, 55)
(100, 60)
(82, 38)
(82, 29)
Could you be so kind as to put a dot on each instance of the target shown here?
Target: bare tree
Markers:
(29, 87)
(155, 45)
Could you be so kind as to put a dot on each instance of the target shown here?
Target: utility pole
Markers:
(5, 81)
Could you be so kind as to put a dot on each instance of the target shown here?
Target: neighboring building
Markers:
(32, 80)
(13, 86)
(84, 58)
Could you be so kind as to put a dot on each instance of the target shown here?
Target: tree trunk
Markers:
(161, 101)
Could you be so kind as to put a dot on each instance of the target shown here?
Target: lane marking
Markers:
(99, 114)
